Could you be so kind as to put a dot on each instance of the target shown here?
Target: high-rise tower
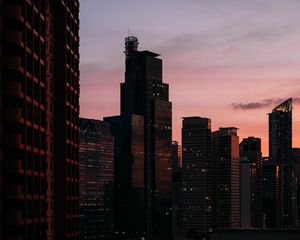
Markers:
(96, 180)
(1, 131)
(145, 96)
(197, 176)
(250, 152)
(269, 193)
(177, 187)
(296, 162)
(39, 84)
(280, 150)
(226, 178)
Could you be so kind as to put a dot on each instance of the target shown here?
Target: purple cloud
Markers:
(266, 103)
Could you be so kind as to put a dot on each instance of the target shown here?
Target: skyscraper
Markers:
(39, 81)
(96, 180)
(226, 168)
(177, 187)
(1, 131)
(176, 156)
(245, 192)
(269, 193)
(296, 162)
(250, 150)
(196, 176)
(280, 149)
(144, 95)
(129, 185)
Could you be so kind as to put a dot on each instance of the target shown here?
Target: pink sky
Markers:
(231, 61)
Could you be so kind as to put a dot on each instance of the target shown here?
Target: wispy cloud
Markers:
(88, 67)
(261, 104)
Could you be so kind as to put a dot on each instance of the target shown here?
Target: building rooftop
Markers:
(286, 106)
(152, 54)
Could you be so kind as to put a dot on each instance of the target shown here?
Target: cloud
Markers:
(230, 50)
(88, 67)
(266, 103)
(182, 44)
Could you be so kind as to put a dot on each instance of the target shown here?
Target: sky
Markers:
(232, 61)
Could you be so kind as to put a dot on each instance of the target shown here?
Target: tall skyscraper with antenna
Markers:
(145, 122)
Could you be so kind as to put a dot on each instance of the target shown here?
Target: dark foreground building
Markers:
(39, 84)
(296, 162)
(271, 234)
(197, 177)
(129, 204)
(96, 180)
(143, 148)
(226, 181)
(280, 150)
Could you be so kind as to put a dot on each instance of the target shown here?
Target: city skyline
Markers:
(217, 58)
(184, 127)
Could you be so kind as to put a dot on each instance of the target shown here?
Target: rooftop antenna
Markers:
(131, 44)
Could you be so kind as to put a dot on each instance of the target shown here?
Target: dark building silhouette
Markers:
(144, 103)
(1, 130)
(245, 192)
(176, 156)
(196, 176)
(177, 187)
(255, 234)
(226, 183)
(96, 180)
(269, 193)
(296, 162)
(280, 151)
(250, 150)
(39, 84)
(129, 204)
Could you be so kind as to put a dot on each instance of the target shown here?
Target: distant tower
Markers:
(226, 178)
(245, 196)
(269, 193)
(296, 161)
(176, 156)
(280, 149)
(177, 187)
(196, 176)
(251, 157)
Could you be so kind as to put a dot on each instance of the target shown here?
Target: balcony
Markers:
(13, 140)
(13, 192)
(13, 62)
(13, 89)
(13, 114)
(13, 37)
(14, 166)
(14, 217)
(13, 11)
